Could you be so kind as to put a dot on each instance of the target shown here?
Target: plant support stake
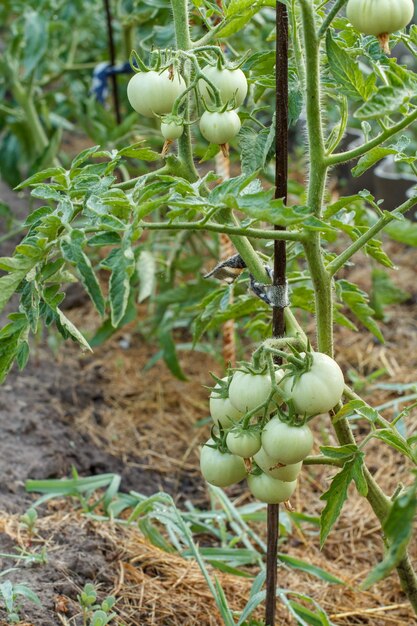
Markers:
(279, 281)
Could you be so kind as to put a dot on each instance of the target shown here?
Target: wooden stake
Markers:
(278, 320)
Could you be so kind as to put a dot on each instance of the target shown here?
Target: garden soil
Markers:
(108, 412)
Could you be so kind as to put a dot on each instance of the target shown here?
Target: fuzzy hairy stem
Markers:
(321, 277)
(183, 40)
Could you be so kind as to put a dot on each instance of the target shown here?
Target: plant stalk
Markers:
(321, 277)
(183, 40)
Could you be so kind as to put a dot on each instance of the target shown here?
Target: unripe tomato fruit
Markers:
(222, 410)
(221, 469)
(244, 443)
(219, 127)
(247, 391)
(171, 130)
(287, 444)
(230, 83)
(270, 490)
(378, 17)
(151, 93)
(319, 389)
(288, 473)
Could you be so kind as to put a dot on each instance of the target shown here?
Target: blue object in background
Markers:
(101, 73)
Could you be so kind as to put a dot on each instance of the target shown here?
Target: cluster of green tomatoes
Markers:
(160, 93)
(253, 437)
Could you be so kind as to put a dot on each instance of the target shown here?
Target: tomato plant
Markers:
(116, 230)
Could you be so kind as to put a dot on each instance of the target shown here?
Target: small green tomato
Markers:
(244, 443)
(287, 473)
(270, 490)
(287, 444)
(221, 469)
(171, 130)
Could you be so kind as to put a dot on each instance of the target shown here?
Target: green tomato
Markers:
(288, 473)
(379, 17)
(287, 444)
(152, 94)
(222, 410)
(221, 469)
(270, 490)
(219, 128)
(319, 389)
(171, 130)
(230, 83)
(244, 443)
(248, 390)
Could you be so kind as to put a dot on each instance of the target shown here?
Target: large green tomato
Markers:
(244, 443)
(287, 444)
(219, 128)
(247, 391)
(270, 490)
(222, 410)
(379, 17)
(152, 94)
(319, 389)
(221, 469)
(232, 84)
(288, 473)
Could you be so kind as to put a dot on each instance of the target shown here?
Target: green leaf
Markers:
(358, 302)
(314, 570)
(72, 330)
(336, 496)
(385, 101)
(259, 206)
(398, 529)
(83, 156)
(11, 338)
(9, 284)
(404, 231)
(72, 251)
(394, 440)
(370, 158)
(346, 72)
(384, 292)
(256, 148)
(169, 353)
(121, 262)
(41, 176)
(146, 268)
(341, 452)
(35, 40)
(137, 151)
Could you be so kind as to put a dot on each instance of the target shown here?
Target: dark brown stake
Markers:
(278, 320)
(112, 60)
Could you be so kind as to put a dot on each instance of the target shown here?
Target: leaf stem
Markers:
(229, 230)
(339, 4)
(337, 263)
(355, 153)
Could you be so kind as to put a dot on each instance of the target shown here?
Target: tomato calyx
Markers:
(218, 434)
(221, 389)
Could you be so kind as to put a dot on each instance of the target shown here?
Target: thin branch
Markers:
(323, 460)
(220, 228)
(357, 245)
(330, 16)
(344, 157)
